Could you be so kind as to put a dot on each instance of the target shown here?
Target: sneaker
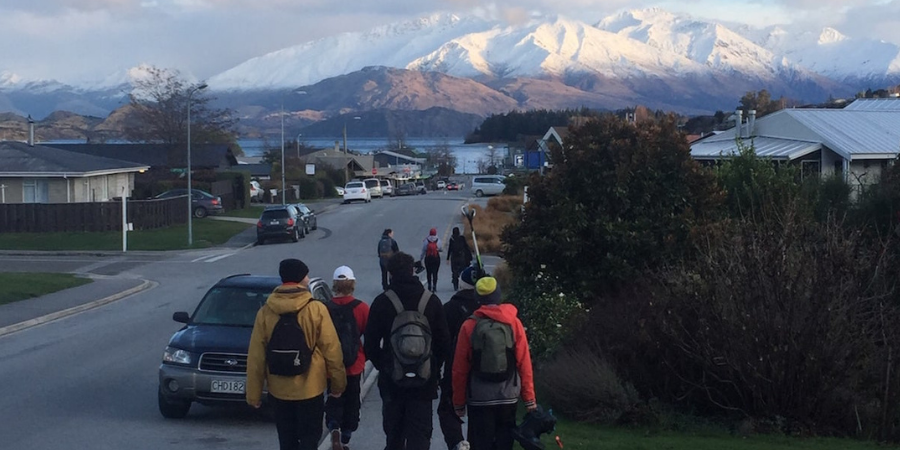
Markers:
(336, 440)
(463, 445)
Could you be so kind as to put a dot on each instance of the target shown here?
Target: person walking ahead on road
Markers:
(387, 247)
(491, 368)
(407, 340)
(349, 316)
(294, 350)
(457, 310)
(431, 256)
(459, 255)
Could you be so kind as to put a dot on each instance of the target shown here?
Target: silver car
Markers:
(206, 360)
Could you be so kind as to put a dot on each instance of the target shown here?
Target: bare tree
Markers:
(159, 104)
(441, 158)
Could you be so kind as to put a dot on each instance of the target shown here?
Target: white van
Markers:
(374, 186)
(487, 185)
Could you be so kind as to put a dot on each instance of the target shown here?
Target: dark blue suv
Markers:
(280, 222)
(206, 360)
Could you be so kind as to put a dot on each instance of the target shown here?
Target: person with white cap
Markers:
(349, 316)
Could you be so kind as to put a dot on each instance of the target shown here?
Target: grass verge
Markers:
(251, 212)
(21, 286)
(490, 221)
(206, 233)
(576, 435)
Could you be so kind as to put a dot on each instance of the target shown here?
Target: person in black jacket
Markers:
(459, 255)
(457, 310)
(406, 411)
(387, 247)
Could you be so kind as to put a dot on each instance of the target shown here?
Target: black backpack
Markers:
(347, 329)
(287, 353)
(386, 247)
(410, 341)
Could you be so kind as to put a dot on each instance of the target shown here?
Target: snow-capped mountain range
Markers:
(644, 54)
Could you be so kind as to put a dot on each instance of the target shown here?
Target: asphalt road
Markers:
(89, 380)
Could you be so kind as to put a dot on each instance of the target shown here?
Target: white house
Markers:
(856, 142)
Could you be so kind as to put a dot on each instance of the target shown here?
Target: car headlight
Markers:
(176, 356)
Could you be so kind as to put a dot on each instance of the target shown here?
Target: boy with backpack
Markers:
(349, 316)
(431, 256)
(491, 369)
(387, 247)
(294, 350)
(459, 255)
(407, 340)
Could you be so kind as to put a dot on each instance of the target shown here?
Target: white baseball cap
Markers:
(343, 273)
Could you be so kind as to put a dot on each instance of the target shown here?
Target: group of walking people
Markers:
(311, 356)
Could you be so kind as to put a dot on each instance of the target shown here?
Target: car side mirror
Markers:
(181, 317)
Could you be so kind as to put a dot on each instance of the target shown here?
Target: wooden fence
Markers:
(91, 217)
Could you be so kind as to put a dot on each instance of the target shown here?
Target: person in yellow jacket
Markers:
(298, 401)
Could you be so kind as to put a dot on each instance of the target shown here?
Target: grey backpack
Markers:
(410, 343)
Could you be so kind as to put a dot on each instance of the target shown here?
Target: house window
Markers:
(839, 167)
(810, 169)
(35, 191)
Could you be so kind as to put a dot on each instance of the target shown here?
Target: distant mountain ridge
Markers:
(480, 66)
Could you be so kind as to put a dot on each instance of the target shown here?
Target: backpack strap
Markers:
(423, 302)
(392, 296)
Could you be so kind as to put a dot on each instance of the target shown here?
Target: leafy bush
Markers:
(490, 222)
(548, 314)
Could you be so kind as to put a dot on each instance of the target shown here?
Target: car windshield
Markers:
(275, 214)
(371, 183)
(233, 306)
(303, 209)
(354, 185)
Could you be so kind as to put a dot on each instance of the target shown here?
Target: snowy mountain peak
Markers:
(9, 79)
(830, 36)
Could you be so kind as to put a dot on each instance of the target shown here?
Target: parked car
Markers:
(279, 222)
(441, 184)
(356, 190)
(452, 186)
(202, 203)
(374, 187)
(406, 189)
(420, 187)
(206, 360)
(339, 190)
(487, 185)
(256, 191)
(387, 188)
(308, 217)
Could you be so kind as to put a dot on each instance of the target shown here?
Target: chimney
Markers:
(751, 123)
(739, 123)
(30, 131)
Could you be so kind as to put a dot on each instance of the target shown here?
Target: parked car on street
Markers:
(487, 185)
(386, 187)
(406, 189)
(374, 187)
(441, 184)
(452, 186)
(356, 190)
(202, 203)
(339, 190)
(206, 360)
(256, 191)
(420, 187)
(307, 217)
(279, 222)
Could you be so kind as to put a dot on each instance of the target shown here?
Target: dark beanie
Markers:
(488, 291)
(292, 270)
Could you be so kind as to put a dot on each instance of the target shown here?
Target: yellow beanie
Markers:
(488, 291)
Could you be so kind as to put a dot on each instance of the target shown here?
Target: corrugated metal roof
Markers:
(853, 132)
(764, 146)
(874, 104)
(20, 158)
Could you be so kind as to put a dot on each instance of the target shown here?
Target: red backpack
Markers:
(432, 249)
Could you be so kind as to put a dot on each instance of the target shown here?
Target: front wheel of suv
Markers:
(172, 409)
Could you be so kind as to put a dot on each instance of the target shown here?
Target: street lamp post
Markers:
(346, 156)
(283, 190)
(298, 146)
(190, 195)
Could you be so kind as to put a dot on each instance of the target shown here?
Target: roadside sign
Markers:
(374, 171)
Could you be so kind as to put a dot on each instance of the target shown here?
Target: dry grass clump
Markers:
(489, 222)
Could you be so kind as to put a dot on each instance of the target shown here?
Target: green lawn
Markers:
(20, 286)
(583, 436)
(251, 212)
(206, 233)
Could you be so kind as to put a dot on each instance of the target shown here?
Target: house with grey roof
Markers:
(857, 142)
(41, 174)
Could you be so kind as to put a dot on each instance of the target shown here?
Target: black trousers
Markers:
(385, 276)
(343, 412)
(406, 421)
(490, 427)
(451, 424)
(432, 265)
(456, 267)
(299, 422)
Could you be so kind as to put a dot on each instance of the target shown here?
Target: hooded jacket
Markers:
(460, 307)
(327, 359)
(462, 361)
(378, 330)
(458, 250)
(430, 238)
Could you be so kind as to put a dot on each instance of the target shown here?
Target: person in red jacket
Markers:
(342, 414)
(491, 370)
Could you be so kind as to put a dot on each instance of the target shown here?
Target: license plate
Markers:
(227, 387)
(274, 222)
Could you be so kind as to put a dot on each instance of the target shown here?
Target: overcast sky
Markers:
(75, 40)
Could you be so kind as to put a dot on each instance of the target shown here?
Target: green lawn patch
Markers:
(251, 212)
(21, 286)
(585, 436)
(206, 233)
